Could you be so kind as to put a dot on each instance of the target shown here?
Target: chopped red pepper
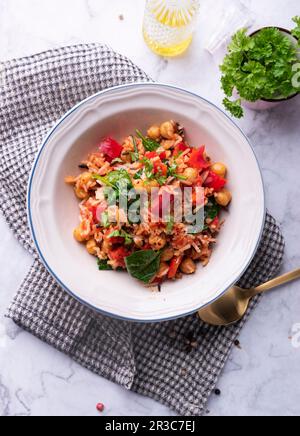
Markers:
(175, 264)
(163, 155)
(111, 149)
(119, 254)
(214, 181)
(197, 159)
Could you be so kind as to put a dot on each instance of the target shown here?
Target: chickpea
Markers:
(80, 193)
(85, 178)
(168, 144)
(163, 270)
(219, 168)
(168, 130)
(188, 266)
(70, 180)
(126, 157)
(154, 132)
(78, 235)
(167, 254)
(191, 175)
(195, 255)
(138, 241)
(138, 184)
(91, 247)
(157, 242)
(223, 198)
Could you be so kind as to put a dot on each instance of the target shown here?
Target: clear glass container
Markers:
(169, 25)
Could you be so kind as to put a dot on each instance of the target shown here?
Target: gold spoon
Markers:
(232, 306)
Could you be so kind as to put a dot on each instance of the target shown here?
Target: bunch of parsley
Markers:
(259, 67)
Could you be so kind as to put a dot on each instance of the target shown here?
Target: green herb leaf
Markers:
(170, 225)
(149, 144)
(138, 175)
(212, 209)
(119, 180)
(259, 67)
(296, 31)
(102, 179)
(117, 160)
(105, 220)
(149, 167)
(103, 265)
(143, 265)
(134, 156)
(122, 234)
(234, 107)
(172, 172)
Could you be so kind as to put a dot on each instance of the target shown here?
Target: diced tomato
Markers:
(151, 154)
(214, 181)
(160, 168)
(197, 159)
(216, 222)
(110, 148)
(180, 148)
(198, 200)
(117, 240)
(118, 255)
(175, 264)
(98, 211)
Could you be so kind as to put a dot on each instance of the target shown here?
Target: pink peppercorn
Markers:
(100, 407)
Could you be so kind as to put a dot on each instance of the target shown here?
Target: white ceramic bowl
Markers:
(53, 208)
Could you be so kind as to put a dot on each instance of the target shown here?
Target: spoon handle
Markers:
(278, 281)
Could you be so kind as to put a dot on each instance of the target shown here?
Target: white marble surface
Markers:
(260, 379)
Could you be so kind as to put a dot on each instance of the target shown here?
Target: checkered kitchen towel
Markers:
(177, 363)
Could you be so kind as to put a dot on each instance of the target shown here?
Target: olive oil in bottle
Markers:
(169, 25)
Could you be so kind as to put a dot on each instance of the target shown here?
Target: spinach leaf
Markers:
(119, 180)
(143, 265)
(149, 144)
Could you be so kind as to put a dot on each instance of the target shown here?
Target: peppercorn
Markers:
(100, 407)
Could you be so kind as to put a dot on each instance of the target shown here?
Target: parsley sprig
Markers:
(259, 67)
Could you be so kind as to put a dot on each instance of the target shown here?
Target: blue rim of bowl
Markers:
(59, 281)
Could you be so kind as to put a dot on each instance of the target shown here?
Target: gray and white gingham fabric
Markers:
(154, 360)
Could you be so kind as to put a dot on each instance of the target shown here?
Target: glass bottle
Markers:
(169, 25)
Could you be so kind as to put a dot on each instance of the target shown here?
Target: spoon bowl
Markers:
(233, 305)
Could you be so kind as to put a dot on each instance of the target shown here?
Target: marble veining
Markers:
(262, 375)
